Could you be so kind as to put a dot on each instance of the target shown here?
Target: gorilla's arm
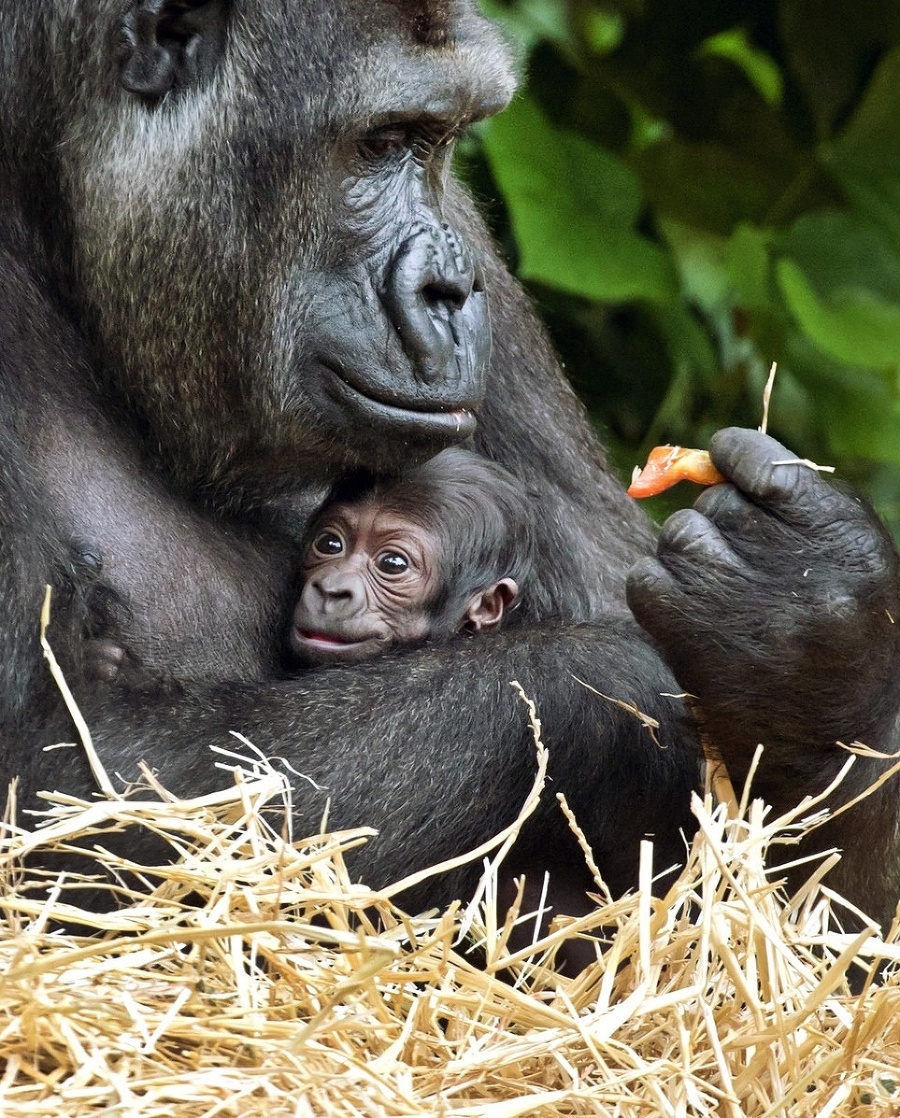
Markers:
(434, 749)
(777, 601)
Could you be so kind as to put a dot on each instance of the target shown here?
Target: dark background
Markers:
(691, 189)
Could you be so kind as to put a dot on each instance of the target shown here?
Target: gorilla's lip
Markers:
(314, 636)
(448, 422)
(324, 646)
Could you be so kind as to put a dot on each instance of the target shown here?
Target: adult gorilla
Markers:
(234, 264)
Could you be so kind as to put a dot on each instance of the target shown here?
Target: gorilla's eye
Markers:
(382, 143)
(392, 563)
(328, 543)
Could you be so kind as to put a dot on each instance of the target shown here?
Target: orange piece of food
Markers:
(667, 465)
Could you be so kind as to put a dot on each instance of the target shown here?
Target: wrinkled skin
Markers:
(369, 578)
(234, 264)
(442, 548)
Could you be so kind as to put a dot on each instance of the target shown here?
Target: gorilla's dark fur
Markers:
(234, 264)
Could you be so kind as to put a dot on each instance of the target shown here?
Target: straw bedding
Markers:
(253, 977)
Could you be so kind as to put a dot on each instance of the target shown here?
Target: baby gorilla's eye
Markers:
(328, 543)
(392, 563)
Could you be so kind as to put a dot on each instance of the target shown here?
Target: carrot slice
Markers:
(667, 465)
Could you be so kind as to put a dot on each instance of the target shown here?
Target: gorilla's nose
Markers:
(435, 297)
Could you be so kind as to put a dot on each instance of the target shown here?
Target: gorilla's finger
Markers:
(694, 567)
(757, 464)
(801, 498)
(735, 516)
(653, 596)
(690, 537)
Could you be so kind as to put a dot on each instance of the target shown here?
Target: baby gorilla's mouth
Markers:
(324, 638)
(314, 646)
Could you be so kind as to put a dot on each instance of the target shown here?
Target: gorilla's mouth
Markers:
(439, 420)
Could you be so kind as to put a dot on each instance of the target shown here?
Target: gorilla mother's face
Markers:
(264, 222)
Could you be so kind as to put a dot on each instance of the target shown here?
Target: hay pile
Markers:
(252, 977)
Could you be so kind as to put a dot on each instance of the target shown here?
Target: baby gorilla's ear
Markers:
(485, 609)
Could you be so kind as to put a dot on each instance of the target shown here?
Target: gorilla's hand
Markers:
(775, 600)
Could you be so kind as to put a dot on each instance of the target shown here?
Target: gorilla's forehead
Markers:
(466, 83)
(390, 56)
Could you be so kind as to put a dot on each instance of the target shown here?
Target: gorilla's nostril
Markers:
(445, 294)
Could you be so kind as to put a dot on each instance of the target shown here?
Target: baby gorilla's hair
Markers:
(475, 509)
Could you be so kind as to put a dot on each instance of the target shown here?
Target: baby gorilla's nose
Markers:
(335, 592)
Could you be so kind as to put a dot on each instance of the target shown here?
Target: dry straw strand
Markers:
(252, 976)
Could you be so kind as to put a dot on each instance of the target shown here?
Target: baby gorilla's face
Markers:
(369, 578)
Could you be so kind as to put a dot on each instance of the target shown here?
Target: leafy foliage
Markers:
(692, 191)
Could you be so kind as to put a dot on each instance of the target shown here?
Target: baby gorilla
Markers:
(443, 548)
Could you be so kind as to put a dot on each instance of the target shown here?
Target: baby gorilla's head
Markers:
(443, 547)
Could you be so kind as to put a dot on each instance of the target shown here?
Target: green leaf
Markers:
(556, 166)
(692, 354)
(707, 184)
(852, 325)
(861, 424)
(876, 196)
(530, 21)
(839, 250)
(760, 68)
(871, 141)
(603, 30)
(573, 208)
(841, 282)
(866, 157)
(830, 47)
(749, 265)
(700, 257)
(858, 410)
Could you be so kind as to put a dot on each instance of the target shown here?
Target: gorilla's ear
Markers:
(485, 609)
(171, 44)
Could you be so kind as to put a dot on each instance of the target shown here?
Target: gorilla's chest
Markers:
(185, 593)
